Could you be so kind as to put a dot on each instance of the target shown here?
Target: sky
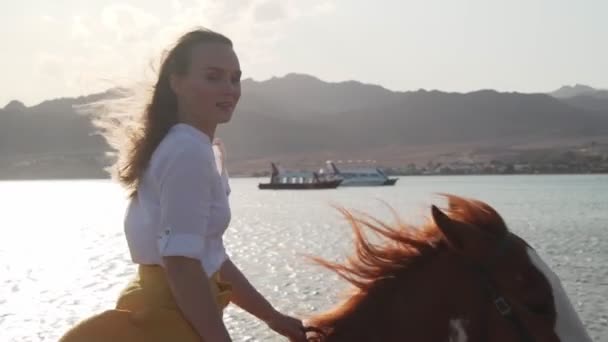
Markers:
(66, 48)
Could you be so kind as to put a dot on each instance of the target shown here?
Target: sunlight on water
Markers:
(64, 256)
(54, 234)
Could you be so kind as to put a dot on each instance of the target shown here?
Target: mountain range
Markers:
(301, 121)
(584, 97)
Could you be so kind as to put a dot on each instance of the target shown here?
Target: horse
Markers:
(461, 276)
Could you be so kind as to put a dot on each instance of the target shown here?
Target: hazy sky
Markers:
(73, 47)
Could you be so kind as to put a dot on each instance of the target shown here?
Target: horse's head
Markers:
(461, 277)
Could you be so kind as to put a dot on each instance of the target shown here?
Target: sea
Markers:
(63, 254)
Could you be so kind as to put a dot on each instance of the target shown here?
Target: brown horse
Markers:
(461, 277)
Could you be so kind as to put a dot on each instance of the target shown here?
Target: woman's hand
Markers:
(287, 326)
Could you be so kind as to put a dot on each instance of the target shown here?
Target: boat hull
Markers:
(390, 181)
(371, 182)
(300, 186)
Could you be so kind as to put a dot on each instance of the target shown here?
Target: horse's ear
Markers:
(460, 236)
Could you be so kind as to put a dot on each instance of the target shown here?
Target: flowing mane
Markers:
(404, 248)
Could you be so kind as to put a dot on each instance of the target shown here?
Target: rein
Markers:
(318, 334)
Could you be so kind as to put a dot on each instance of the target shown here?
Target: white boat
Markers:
(358, 176)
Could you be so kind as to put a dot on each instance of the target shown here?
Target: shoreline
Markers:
(42, 178)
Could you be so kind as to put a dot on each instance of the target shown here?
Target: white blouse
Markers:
(181, 207)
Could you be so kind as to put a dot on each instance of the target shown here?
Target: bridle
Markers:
(500, 303)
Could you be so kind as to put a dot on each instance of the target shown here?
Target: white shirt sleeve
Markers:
(185, 201)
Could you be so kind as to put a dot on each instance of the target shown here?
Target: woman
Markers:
(179, 209)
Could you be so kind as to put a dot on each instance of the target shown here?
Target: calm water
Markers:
(63, 254)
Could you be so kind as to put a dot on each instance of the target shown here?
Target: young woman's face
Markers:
(211, 88)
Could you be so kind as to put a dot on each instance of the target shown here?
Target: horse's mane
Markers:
(404, 246)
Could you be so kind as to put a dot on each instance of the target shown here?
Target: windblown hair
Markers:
(160, 113)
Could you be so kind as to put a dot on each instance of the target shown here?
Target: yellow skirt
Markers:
(145, 311)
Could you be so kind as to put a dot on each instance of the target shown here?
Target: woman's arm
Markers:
(249, 299)
(190, 287)
(244, 294)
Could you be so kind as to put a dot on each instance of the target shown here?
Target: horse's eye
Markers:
(543, 307)
(535, 295)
